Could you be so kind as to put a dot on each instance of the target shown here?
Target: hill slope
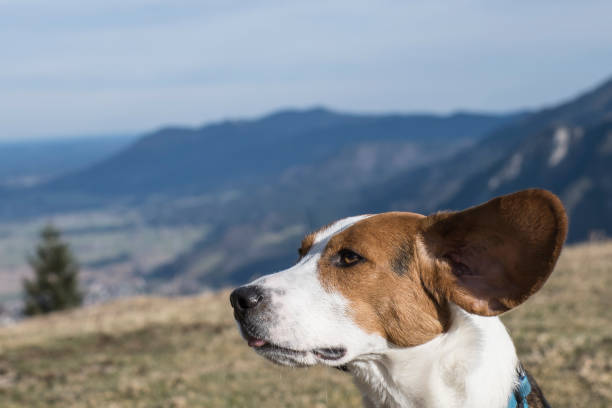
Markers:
(186, 352)
(566, 149)
(574, 162)
(235, 157)
(229, 154)
(463, 179)
(259, 185)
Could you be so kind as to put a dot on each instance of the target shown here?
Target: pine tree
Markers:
(55, 284)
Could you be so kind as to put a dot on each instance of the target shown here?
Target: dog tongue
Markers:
(256, 342)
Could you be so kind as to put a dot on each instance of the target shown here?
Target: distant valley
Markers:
(153, 203)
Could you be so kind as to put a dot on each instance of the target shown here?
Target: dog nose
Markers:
(246, 297)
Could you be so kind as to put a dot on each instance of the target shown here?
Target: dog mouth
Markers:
(330, 353)
(323, 353)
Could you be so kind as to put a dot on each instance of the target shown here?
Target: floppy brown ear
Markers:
(492, 257)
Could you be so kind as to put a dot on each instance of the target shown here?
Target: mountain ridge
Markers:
(493, 148)
(252, 139)
(258, 185)
(451, 183)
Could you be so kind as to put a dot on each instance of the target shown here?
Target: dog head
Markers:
(365, 284)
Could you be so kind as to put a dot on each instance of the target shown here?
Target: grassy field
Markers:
(155, 352)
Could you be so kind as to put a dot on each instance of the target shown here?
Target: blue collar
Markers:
(518, 398)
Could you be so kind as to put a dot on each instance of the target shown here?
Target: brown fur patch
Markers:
(306, 245)
(386, 291)
(487, 259)
(309, 239)
(492, 257)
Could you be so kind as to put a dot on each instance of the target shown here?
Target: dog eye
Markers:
(346, 257)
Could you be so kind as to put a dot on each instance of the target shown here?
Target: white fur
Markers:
(471, 365)
(311, 316)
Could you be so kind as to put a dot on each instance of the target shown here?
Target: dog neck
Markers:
(473, 364)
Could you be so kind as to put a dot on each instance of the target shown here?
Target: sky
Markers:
(74, 67)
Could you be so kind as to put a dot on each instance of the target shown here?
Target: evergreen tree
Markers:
(55, 285)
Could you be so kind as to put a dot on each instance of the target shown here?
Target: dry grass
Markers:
(155, 352)
(564, 333)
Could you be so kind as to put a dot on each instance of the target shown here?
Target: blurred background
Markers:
(182, 148)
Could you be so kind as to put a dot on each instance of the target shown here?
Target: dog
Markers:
(408, 304)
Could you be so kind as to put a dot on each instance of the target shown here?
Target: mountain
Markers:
(201, 192)
(573, 161)
(459, 181)
(233, 158)
(566, 148)
(257, 186)
(232, 154)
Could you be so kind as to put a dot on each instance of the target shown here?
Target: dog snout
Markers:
(246, 298)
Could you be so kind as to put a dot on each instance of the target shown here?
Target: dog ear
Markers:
(492, 257)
